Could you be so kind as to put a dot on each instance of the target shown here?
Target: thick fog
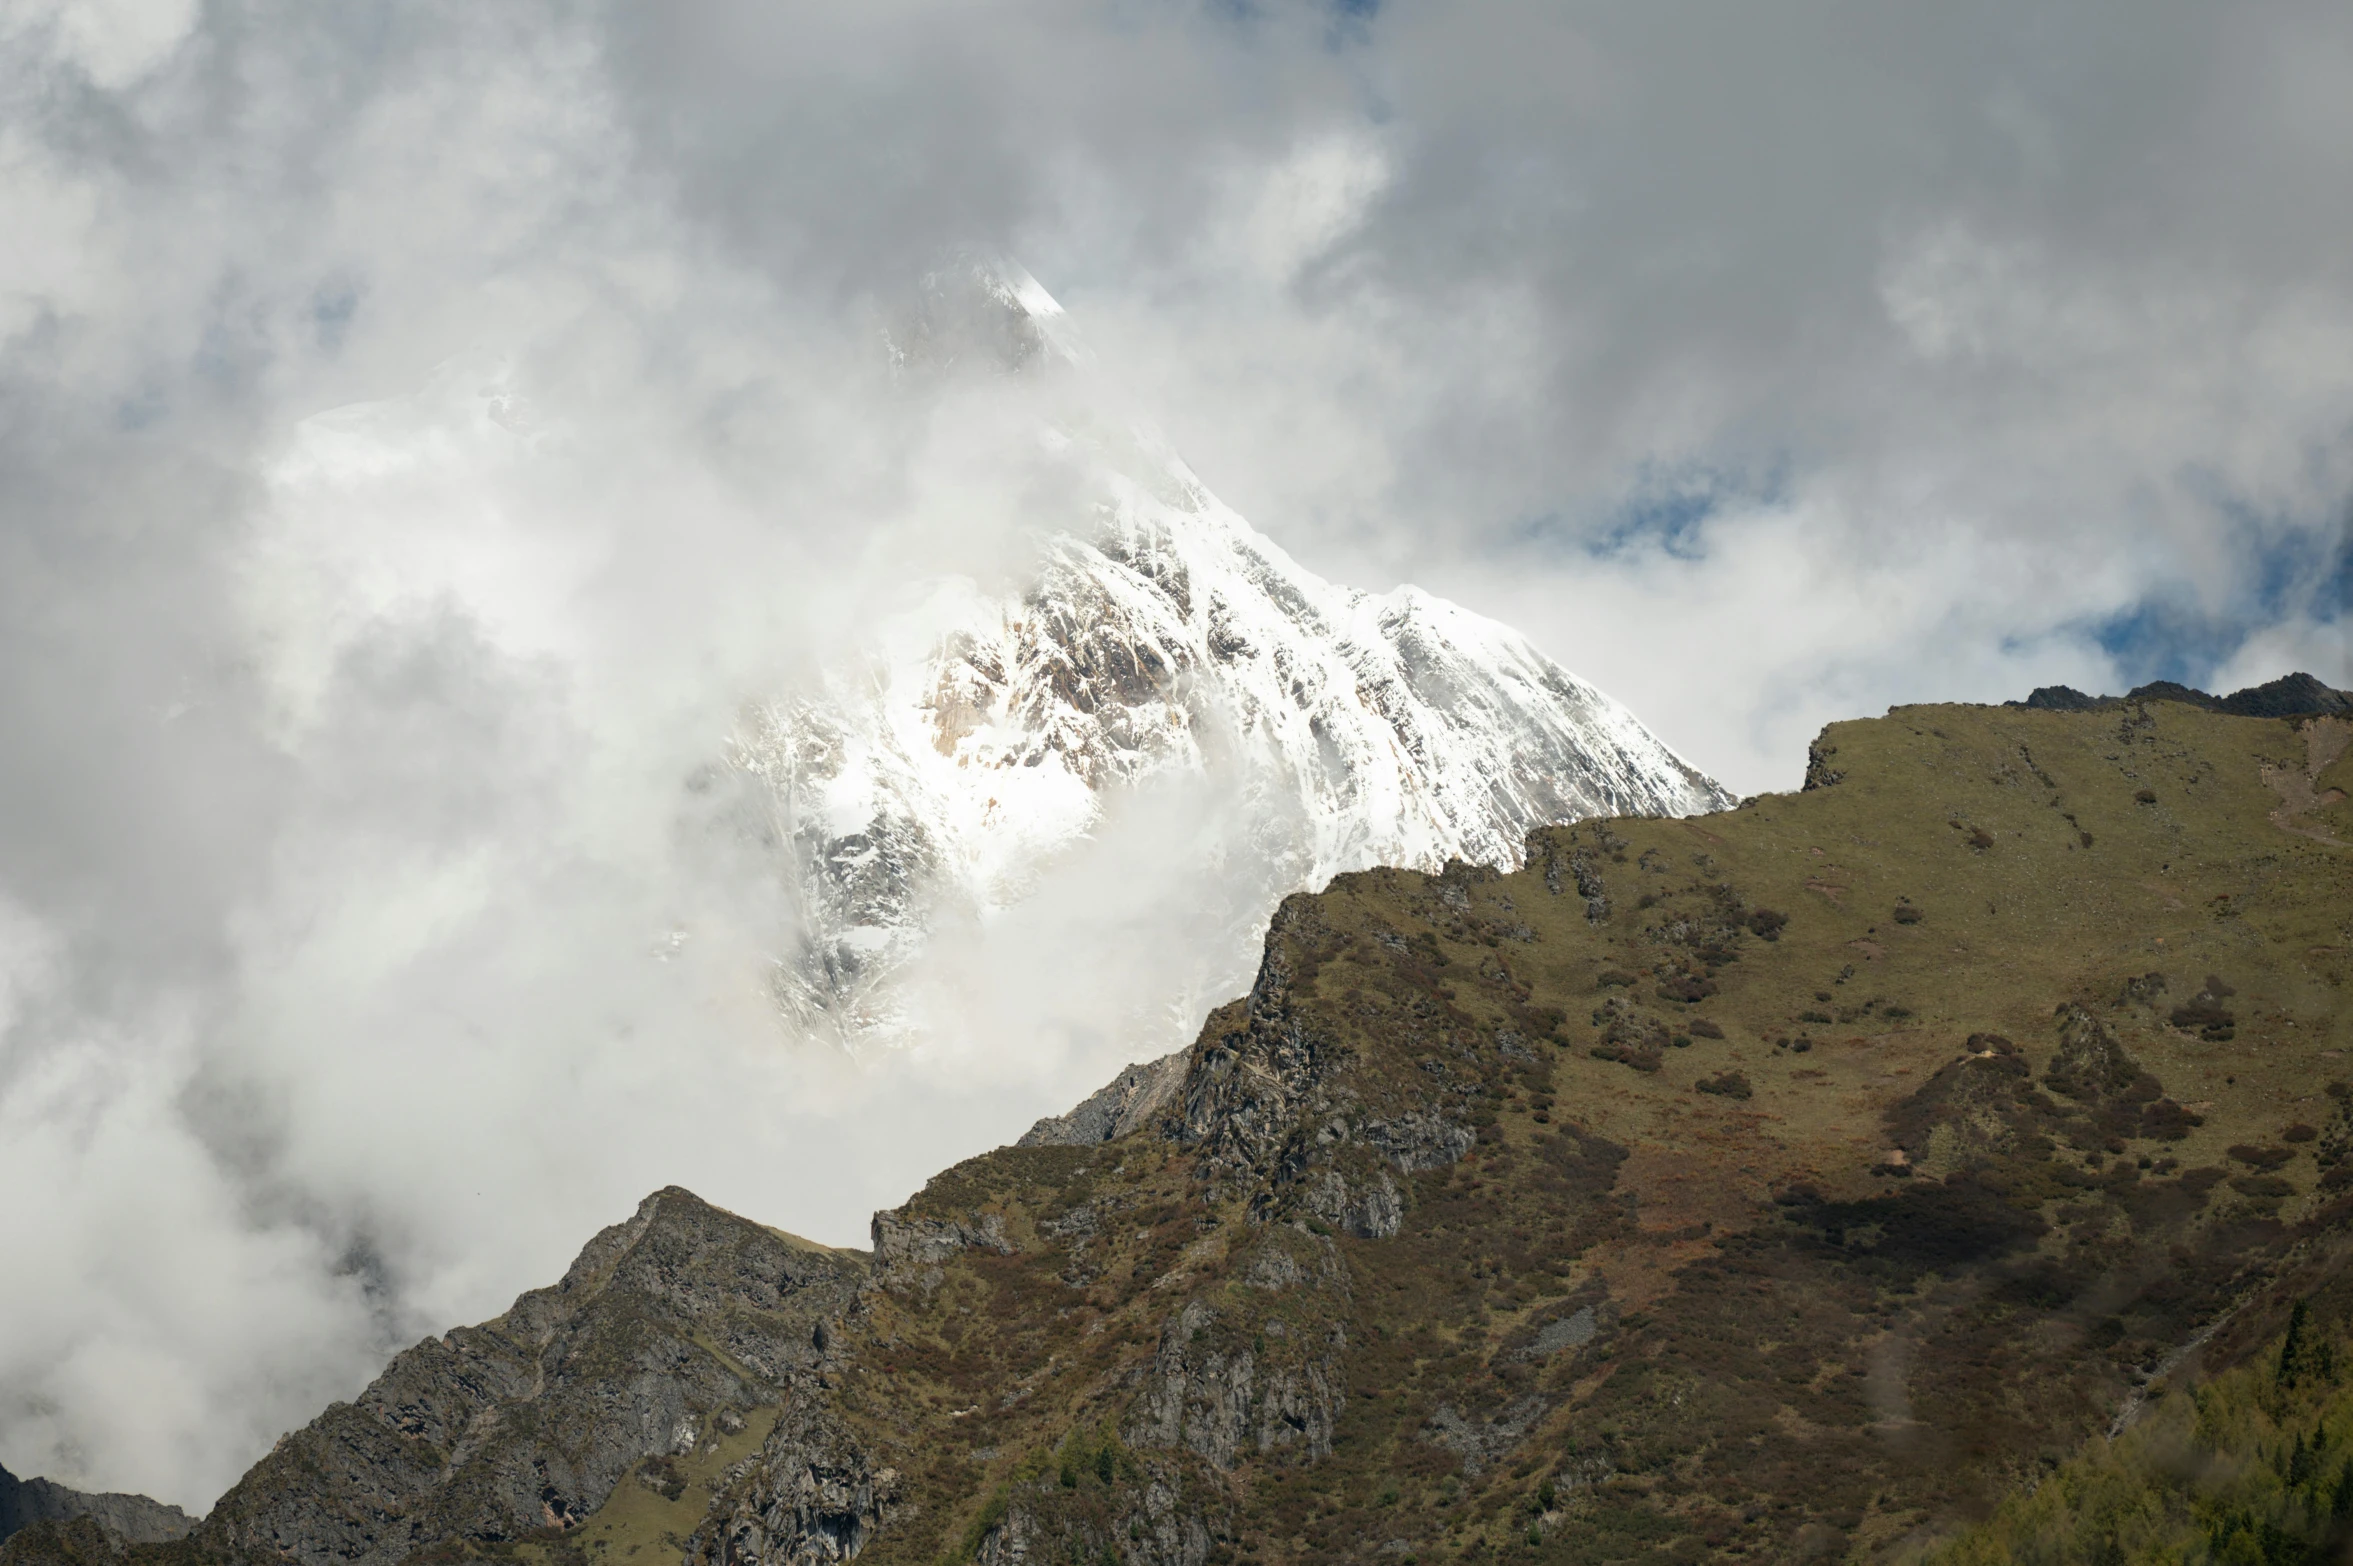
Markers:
(424, 428)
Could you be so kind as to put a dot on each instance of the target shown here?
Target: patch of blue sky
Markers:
(2311, 573)
(2167, 635)
(2332, 599)
(2167, 638)
(1666, 508)
(2295, 564)
(2289, 569)
(1351, 22)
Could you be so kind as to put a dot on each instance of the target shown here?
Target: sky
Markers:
(424, 426)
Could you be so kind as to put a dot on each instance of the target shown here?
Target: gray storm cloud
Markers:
(423, 428)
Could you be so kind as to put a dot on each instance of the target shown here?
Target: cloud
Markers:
(1959, 291)
(424, 427)
(111, 43)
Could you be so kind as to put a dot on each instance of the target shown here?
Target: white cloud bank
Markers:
(422, 427)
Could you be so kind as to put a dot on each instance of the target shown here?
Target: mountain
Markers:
(119, 1519)
(2289, 696)
(1161, 636)
(663, 1342)
(1802, 1181)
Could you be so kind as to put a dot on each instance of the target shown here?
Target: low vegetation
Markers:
(2251, 1467)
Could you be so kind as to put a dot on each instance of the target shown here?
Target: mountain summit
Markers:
(1162, 637)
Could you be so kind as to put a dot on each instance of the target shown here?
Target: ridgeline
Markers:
(1825, 1178)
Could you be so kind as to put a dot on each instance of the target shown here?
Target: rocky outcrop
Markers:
(72, 1541)
(1201, 1389)
(2290, 696)
(902, 1240)
(1268, 1101)
(1127, 1103)
(1256, 1369)
(664, 1330)
(133, 1519)
(1258, 1070)
(1819, 772)
(1371, 1207)
(1481, 1442)
(1161, 1520)
(814, 1496)
(1416, 1139)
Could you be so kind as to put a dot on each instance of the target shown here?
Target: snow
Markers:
(952, 769)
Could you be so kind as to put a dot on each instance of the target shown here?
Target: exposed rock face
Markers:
(1480, 1442)
(1161, 1526)
(667, 1327)
(813, 1496)
(1256, 1070)
(1269, 1100)
(1200, 1394)
(1221, 1386)
(901, 1242)
(1126, 1103)
(134, 1519)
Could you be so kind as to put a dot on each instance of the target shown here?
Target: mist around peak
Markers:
(426, 431)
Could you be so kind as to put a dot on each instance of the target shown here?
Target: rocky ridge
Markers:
(1453, 1238)
(2290, 696)
(128, 1519)
(680, 1331)
(1128, 1102)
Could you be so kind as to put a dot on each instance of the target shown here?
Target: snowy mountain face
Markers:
(1163, 637)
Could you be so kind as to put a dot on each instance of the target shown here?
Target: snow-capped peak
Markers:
(1162, 636)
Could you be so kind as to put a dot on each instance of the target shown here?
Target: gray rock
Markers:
(1481, 1441)
(1232, 1374)
(1370, 1209)
(1199, 1394)
(1163, 1526)
(2289, 696)
(134, 1519)
(664, 1328)
(1126, 1104)
(901, 1242)
(1571, 1331)
(815, 1496)
(1418, 1139)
